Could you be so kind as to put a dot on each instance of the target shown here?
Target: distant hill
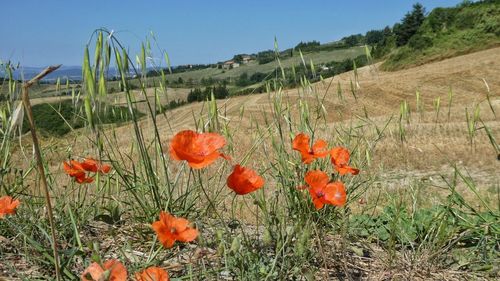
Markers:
(73, 73)
(28, 72)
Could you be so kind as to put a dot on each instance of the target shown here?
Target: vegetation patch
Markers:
(444, 33)
(58, 119)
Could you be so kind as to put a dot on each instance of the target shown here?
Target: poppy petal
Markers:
(318, 203)
(163, 233)
(346, 170)
(179, 224)
(118, 272)
(199, 150)
(320, 149)
(182, 146)
(316, 179)
(169, 229)
(93, 272)
(206, 161)
(67, 167)
(307, 158)
(152, 274)
(209, 142)
(173, 154)
(84, 179)
(301, 143)
(76, 165)
(90, 165)
(188, 235)
(339, 156)
(243, 180)
(72, 170)
(105, 169)
(8, 205)
(335, 194)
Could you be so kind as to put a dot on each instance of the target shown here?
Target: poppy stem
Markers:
(38, 155)
(208, 198)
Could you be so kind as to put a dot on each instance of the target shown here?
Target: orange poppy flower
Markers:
(324, 192)
(91, 165)
(170, 229)
(84, 179)
(198, 149)
(8, 205)
(340, 158)
(243, 180)
(75, 169)
(301, 143)
(152, 274)
(112, 269)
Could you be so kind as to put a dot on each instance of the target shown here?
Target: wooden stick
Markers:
(41, 171)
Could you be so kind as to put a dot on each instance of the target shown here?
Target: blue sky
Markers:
(38, 33)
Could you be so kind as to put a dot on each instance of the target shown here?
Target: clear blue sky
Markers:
(38, 33)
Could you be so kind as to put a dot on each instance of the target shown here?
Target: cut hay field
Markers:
(431, 144)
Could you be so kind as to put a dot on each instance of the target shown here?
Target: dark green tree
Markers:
(243, 81)
(354, 40)
(195, 95)
(373, 37)
(220, 92)
(409, 24)
(265, 56)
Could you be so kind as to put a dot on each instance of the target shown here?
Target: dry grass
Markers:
(430, 146)
(431, 149)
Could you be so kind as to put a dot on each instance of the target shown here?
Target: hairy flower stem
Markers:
(211, 204)
(38, 155)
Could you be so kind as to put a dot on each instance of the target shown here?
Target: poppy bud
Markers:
(235, 245)
(267, 238)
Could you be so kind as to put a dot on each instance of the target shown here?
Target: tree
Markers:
(195, 95)
(265, 56)
(409, 24)
(353, 40)
(243, 81)
(220, 92)
(238, 58)
(373, 37)
(308, 46)
(441, 18)
(258, 77)
(388, 42)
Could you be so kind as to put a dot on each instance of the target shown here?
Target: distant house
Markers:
(230, 64)
(246, 59)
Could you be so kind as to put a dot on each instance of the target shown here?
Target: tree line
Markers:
(219, 91)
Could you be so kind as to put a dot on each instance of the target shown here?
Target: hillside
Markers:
(431, 144)
(415, 163)
(448, 32)
(317, 57)
(380, 94)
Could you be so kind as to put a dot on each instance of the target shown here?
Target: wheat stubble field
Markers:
(432, 143)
